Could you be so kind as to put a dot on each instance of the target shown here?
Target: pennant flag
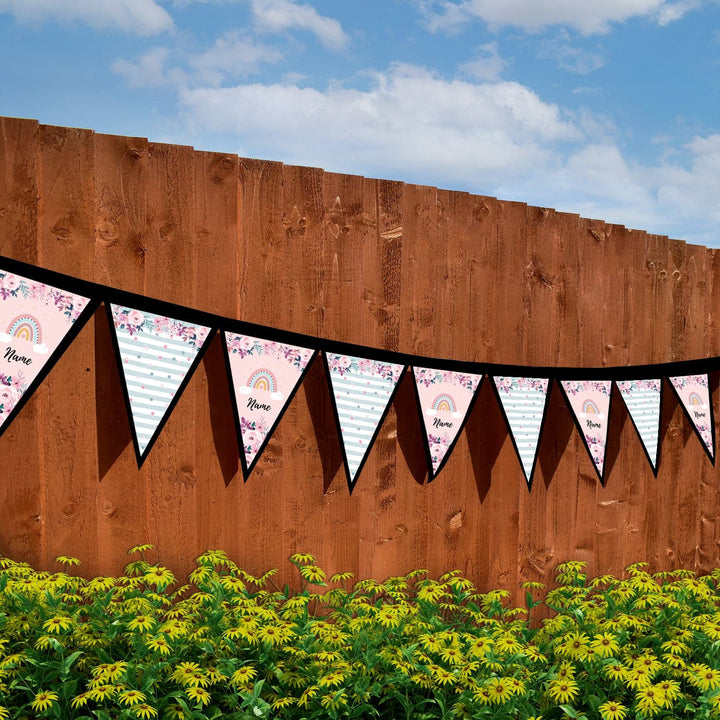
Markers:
(445, 398)
(590, 402)
(642, 398)
(35, 319)
(694, 394)
(523, 401)
(157, 357)
(362, 391)
(264, 376)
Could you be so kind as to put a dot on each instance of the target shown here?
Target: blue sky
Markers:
(608, 109)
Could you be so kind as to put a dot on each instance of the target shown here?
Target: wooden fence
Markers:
(380, 263)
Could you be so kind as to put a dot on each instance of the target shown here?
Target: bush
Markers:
(231, 645)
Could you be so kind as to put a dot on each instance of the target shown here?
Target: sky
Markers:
(607, 109)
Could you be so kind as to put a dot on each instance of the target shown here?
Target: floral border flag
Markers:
(35, 319)
(157, 356)
(445, 398)
(523, 401)
(264, 376)
(642, 399)
(362, 391)
(693, 392)
(589, 401)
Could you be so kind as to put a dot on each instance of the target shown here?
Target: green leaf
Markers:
(569, 711)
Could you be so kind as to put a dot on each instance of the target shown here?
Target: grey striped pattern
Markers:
(643, 403)
(361, 400)
(154, 367)
(524, 408)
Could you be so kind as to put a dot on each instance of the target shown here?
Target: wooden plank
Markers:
(168, 474)
(120, 250)
(66, 244)
(21, 493)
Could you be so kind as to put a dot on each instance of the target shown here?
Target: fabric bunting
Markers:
(642, 399)
(524, 401)
(157, 356)
(444, 399)
(35, 319)
(362, 392)
(590, 403)
(264, 376)
(693, 391)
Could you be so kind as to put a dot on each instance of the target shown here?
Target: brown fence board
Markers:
(373, 262)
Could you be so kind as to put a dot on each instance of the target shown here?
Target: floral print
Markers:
(521, 384)
(253, 432)
(135, 321)
(245, 345)
(11, 285)
(344, 364)
(12, 388)
(429, 376)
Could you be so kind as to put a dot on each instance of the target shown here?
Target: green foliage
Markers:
(230, 645)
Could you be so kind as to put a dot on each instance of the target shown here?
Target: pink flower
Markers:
(10, 282)
(135, 318)
(246, 343)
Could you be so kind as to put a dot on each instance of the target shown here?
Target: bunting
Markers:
(524, 402)
(36, 321)
(590, 402)
(157, 355)
(693, 391)
(642, 399)
(158, 346)
(362, 392)
(444, 399)
(264, 376)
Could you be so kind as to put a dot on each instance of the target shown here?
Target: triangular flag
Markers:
(523, 401)
(444, 398)
(590, 402)
(362, 391)
(264, 376)
(157, 356)
(642, 398)
(37, 323)
(694, 394)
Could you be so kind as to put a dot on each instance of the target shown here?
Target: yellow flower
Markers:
(508, 644)
(100, 692)
(282, 702)
(500, 691)
(175, 712)
(705, 678)
(303, 559)
(649, 700)
(574, 646)
(451, 655)
(57, 623)
(442, 676)
(131, 697)
(4, 713)
(332, 679)
(335, 701)
(605, 644)
(159, 644)
(562, 691)
(44, 700)
(159, 577)
(612, 710)
(140, 549)
(675, 647)
(388, 617)
(144, 711)
(243, 675)
(200, 695)
(67, 560)
(313, 574)
(670, 690)
(142, 623)
(273, 634)
(482, 695)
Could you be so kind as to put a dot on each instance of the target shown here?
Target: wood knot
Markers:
(106, 232)
(455, 522)
(62, 233)
(223, 168)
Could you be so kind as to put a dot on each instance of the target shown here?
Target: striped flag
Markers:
(642, 399)
(362, 391)
(157, 355)
(524, 401)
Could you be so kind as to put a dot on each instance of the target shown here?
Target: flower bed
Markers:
(233, 646)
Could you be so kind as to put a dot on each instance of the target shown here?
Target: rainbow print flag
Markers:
(264, 376)
(693, 391)
(445, 399)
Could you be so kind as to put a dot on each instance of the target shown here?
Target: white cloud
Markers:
(409, 123)
(232, 56)
(569, 57)
(141, 17)
(281, 15)
(487, 63)
(531, 15)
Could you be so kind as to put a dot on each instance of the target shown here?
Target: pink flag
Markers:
(264, 377)
(445, 399)
(590, 403)
(694, 394)
(34, 320)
